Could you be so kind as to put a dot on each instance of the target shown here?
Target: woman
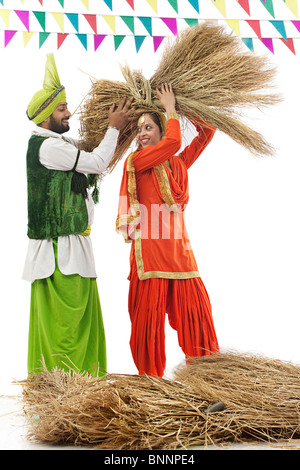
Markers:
(163, 272)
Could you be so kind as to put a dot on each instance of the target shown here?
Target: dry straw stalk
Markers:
(214, 79)
(261, 397)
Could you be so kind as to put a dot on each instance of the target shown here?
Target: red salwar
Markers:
(189, 312)
(164, 277)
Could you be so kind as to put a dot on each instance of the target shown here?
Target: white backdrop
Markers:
(243, 215)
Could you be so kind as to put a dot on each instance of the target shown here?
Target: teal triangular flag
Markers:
(73, 18)
(195, 4)
(279, 25)
(138, 42)
(83, 39)
(147, 22)
(109, 3)
(249, 43)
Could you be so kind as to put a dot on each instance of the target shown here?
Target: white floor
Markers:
(13, 429)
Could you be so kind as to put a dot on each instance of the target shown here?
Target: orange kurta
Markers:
(161, 247)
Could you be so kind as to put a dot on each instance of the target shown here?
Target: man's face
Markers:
(59, 119)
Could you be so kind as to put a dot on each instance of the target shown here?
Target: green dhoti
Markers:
(66, 326)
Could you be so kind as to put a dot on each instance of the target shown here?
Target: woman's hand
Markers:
(166, 97)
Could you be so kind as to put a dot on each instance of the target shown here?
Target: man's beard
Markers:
(57, 126)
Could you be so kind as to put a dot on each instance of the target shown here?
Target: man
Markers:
(66, 326)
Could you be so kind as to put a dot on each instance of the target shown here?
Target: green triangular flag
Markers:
(118, 39)
(174, 4)
(129, 21)
(41, 17)
(62, 2)
(268, 4)
(42, 38)
(191, 21)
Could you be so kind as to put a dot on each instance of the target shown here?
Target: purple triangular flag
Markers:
(172, 24)
(24, 17)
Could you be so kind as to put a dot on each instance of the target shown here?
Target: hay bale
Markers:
(261, 398)
(214, 78)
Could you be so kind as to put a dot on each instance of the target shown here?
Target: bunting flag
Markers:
(245, 5)
(91, 29)
(220, 4)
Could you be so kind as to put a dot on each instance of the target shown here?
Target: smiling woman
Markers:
(151, 125)
(164, 275)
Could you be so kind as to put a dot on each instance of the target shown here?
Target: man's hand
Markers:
(119, 117)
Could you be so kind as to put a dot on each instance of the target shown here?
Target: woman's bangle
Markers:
(172, 116)
(113, 127)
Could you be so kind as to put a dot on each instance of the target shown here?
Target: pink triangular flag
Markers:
(157, 40)
(98, 38)
(8, 35)
(296, 24)
(268, 42)
(172, 24)
(24, 17)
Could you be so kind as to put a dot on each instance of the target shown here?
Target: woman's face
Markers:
(148, 132)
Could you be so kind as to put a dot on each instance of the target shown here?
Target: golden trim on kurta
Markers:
(156, 274)
(164, 186)
(134, 219)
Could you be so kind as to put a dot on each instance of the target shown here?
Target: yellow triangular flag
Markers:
(235, 26)
(59, 18)
(153, 4)
(86, 3)
(220, 4)
(27, 35)
(110, 20)
(5, 16)
(292, 5)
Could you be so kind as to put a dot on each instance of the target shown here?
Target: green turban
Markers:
(44, 102)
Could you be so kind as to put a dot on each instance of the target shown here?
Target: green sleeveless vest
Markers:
(53, 208)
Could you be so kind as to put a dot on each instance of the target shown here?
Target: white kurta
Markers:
(75, 252)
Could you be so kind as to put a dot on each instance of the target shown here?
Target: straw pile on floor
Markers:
(261, 398)
(214, 78)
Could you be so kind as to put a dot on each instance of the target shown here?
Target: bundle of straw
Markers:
(213, 77)
(261, 398)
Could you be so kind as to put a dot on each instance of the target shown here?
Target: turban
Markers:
(44, 102)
